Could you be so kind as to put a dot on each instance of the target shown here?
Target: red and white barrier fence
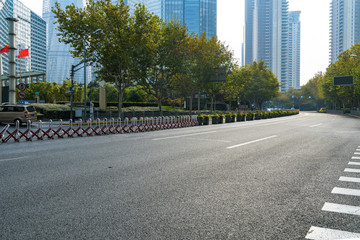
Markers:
(105, 127)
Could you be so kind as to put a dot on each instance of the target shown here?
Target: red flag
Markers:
(5, 49)
(23, 53)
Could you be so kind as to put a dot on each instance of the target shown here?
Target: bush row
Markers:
(216, 118)
(113, 104)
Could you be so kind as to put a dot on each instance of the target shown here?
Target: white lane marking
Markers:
(318, 233)
(340, 208)
(10, 159)
(316, 125)
(346, 191)
(356, 153)
(353, 170)
(354, 163)
(180, 136)
(349, 179)
(212, 140)
(355, 158)
(357, 149)
(254, 141)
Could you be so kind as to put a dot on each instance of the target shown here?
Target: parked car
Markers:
(22, 113)
(322, 110)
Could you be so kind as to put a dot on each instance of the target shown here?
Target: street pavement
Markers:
(294, 177)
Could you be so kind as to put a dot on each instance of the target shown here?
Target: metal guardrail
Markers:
(79, 129)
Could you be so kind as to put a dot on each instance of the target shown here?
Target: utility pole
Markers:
(12, 61)
(72, 91)
(84, 78)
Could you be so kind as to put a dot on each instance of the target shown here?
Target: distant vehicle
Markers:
(322, 110)
(17, 112)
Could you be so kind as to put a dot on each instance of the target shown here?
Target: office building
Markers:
(59, 58)
(294, 50)
(344, 26)
(198, 15)
(266, 36)
(30, 34)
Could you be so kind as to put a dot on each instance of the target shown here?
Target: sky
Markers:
(230, 23)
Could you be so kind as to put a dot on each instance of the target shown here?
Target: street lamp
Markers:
(84, 39)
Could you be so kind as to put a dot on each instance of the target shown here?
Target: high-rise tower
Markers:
(199, 15)
(344, 26)
(30, 33)
(294, 50)
(59, 59)
(266, 36)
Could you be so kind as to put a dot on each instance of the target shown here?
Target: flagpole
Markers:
(29, 68)
(20, 64)
(1, 79)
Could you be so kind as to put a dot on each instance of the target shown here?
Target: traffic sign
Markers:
(22, 86)
(21, 95)
(343, 80)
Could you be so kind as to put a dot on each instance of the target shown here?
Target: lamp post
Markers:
(84, 39)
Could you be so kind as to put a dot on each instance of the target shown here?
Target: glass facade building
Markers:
(59, 59)
(267, 36)
(344, 26)
(294, 49)
(199, 15)
(30, 34)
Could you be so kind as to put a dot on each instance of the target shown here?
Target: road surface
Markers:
(294, 177)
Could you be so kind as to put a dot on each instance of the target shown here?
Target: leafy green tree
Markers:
(136, 94)
(187, 81)
(169, 58)
(211, 57)
(110, 49)
(234, 86)
(263, 85)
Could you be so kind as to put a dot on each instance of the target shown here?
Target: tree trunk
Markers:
(159, 105)
(190, 103)
(211, 103)
(120, 95)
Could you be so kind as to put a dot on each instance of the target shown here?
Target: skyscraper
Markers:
(266, 36)
(294, 50)
(199, 15)
(59, 59)
(344, 26)
(30, 33)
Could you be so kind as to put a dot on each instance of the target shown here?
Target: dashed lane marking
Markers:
(349, 179)
(318, 233)
(355, 158)
(316, 125)
(346, 191)
(356, 153)
(340, 208)
(180, 136)
(254, 141)
(10, 159)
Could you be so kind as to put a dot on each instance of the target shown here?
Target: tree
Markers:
(262, 86)
(111, 49)
(211, 57)
(234, 86)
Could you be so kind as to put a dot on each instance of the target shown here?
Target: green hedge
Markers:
(113, 104)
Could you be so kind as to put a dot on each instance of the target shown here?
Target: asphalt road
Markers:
(266, 179)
